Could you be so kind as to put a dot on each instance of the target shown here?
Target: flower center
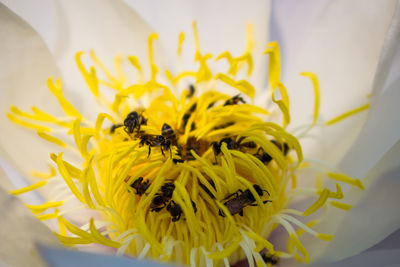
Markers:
(197, 174)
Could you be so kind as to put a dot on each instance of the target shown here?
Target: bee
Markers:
(162, 198)
(191, 144)
(175, 210)
(156, 140)
(270, 258)
(241, 199)
(211, 182)
(134, 121)
(223, 126)
(114, 127)
(230, 144)
(192, 90)
(168, 133)
(140, 185)
(234, 100)
(263, 156)
(187, 115)
(283, 147)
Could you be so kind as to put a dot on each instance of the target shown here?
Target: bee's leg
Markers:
(241, 213)
(148, 155)
(233, 194)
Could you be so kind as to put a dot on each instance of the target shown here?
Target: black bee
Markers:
(140, 186)
(283, 147)
(134, 121)
(223, 126)
(161, 199)
(234, 100)
(175, 210)
(194, 206)
(242, 199)
(241, 144)
(156, 140)
(178, 161)
(187, 115)
(211, 182)
(270, 258)
(192, 90)
(169, 134)
(263, 156)
(210, 105)
(230, 144)
(114, 127)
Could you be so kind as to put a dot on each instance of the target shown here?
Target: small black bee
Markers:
(270, 258)
(263, 156)
(211, 182)
(283, 147)
(223, 126)
(156, 140)
(140, 186)
(114, 127)
(194, 206)
(169, 134)
(187, 115)
(234, 100)
(134, 121)
(242, 199)
(161, 199)
(230, 144)
(175, 210)
(192, 90)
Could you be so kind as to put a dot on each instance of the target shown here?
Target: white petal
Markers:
(373, 217)
(39, 17)
(66, 258)
(382, 128)
(110, 28)
(24, 68)
(19, 232)
(344, 55)
(221, 26)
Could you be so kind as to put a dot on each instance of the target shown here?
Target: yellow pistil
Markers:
(200, 178)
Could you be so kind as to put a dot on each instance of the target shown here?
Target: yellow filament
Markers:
(52, 139)
(317, 204)
(347, 114)
(28, 188)
(27, 124)
(314, 80)
(56, 90)
(180, 43)
(346, 179)
(40, 208)
(44, 175)
(340, 205)
(274, 67)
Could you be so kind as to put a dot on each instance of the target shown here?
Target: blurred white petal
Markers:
(221, 26)
(368, 259)
(39, 17)
(66, 258)
(373, 218)
(19, 232)
(25, 66)
(342, 45)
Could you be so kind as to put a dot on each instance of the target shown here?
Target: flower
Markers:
(77, 126)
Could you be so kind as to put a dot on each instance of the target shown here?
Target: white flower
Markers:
(351, 46)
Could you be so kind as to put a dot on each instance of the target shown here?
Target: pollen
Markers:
(182, 167)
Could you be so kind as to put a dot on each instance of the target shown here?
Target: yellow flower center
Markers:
(191, 172)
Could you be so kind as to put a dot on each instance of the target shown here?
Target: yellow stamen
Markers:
(347, 114)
